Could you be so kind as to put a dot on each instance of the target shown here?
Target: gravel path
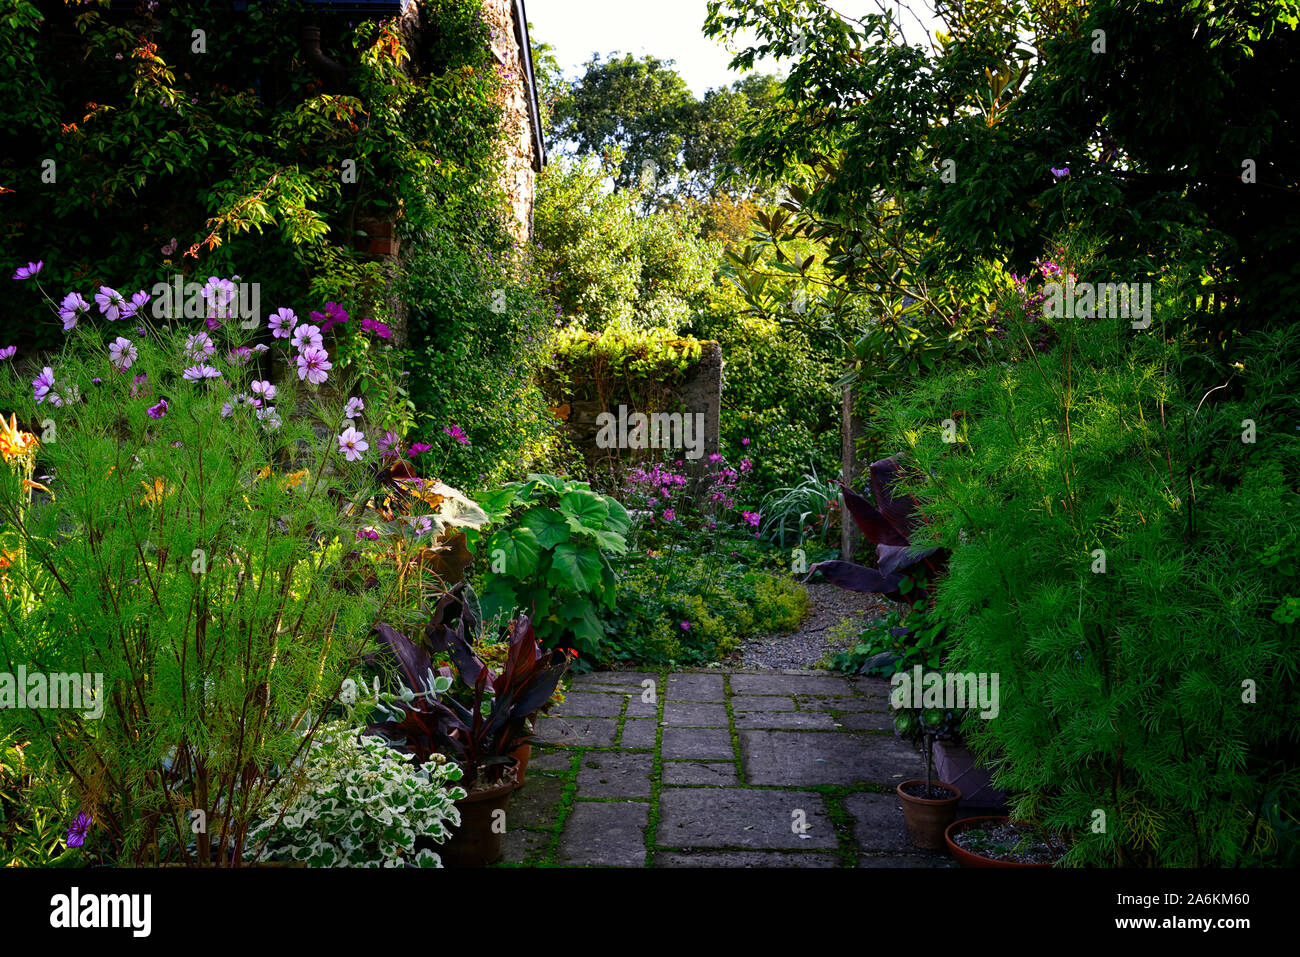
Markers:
(805, 647)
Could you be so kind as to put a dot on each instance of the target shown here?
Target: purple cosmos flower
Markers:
(8, 352)
(1060, 173)
(418, 448)
(333, 315)
(170, 248)
(137, 303)
(199, 346)
(307, 337)
(219, 293)
(110, 302)
(239, 355)
(369, 533)
(744, 441)
(746, 465)
(264, 390)
(313, 365)
(421, 524)
(73, 307)
(261, 347)
(457, 433)
(380, 330)
(139, 385)
(282, 323)
(29, 271)
(80, 828)
(352, 444)
(389, 443)
(122, 353)
(353, 408)
(750, 517)
(670, 515)
(269, 418)
(715, 458)
(43, 383)
(159, 410)
(212, 324)
(202, 371)
(686, 626)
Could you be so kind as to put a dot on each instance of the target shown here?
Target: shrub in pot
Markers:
(929, 806)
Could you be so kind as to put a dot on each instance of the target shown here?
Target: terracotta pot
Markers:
(926, 818)
(965, 857)
(521, 755)
(477, 842)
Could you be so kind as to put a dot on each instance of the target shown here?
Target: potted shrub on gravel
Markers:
(998, 841)
(481, 735)
(929, 806)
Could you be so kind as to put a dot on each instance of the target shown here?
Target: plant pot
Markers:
(477, 842)
(521, 755)
(927, 818)
(968, 858)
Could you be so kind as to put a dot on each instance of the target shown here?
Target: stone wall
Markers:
(519, 172)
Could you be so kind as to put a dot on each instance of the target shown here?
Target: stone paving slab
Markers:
(867, 721)
(629, 678)
(762, 703)
(605, 834)
(518, 844)
(537, 802)
(693, 687)
(639, 732)
(843, 703)
(878, 823)
(782, 684)
(704, 743)
(803, 758)
(742, 818)
(638, 707)
(716, 773)
(587, 704)
(814, 720)
(694, 714)
(547, 760)
(615, 774)
(577, 732)
(762, 859)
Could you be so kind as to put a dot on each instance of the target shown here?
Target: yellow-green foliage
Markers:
(630, 362)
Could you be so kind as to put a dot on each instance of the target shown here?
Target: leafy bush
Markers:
(1118, 543)
(548, 554)
(679, 607)
(363, 804)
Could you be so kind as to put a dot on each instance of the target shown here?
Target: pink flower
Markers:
(159, 410)
(389, 443)
(268, 417)
(686, 626)
(29, 271)
(307, 337)
(199, 346)
(457, 433)
(137, 383)
(333, 315)
(239, 355)
(8, 352)
(199, 372)
(352, 444)
(121, 353)
(380, 330)
(71, 309)
(313, 365)
(43, 383)
(282, 323)
(418, 448)
(110, 303)
(353, 408)
(746, 465)
(744, 441)
(264, 390)
(670, 515)
(715, 458)
(750, 517)
(369, 533)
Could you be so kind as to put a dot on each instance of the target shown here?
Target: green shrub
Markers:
(1122, 559)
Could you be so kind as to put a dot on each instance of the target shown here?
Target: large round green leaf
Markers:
(518, 548)
(576, 567)
(585, 511)
(548, 525)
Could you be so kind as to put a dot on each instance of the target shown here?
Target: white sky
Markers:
(668, 29)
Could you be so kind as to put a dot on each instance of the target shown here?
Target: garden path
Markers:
(717, 768)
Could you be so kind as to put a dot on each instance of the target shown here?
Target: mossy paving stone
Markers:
(762, 703)
(545, 759)
(578, 732)
(748, 859)
(693, 687)
(519, 844)
(741, 818)
(615, 774)
(638, 707)
(813, 720)
(632, 679)
(536, 803)
(844, 703)
(878, 823)
(584, 704)
(639, 732)
(716, 773)
(812, 758)
(694, 714)
(784, 684)
(605, 834)
(703, 743)
(867, 721)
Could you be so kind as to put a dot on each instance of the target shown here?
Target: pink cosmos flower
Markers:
(43, 383)
(269, 418)
(202, 371)
(29, 271)
(744, 441)
(313, 365)
(389, 443)
(159, 410)
(686, 626)
(264, 390)
(353, 408)
(122, 353)
(457, 433)
(369, 533)
(139, 385)
(199, 346)
(333, 315)
(307, 337)
(750, 517)
(746, 465)
(282, 323)
(352, 444)
(8, 352)
(71, 309)
(137, 303)
(110, 303)
(670, 515)
(380, 330)
(418, 448)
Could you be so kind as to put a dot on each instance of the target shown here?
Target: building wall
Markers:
(519, 178)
